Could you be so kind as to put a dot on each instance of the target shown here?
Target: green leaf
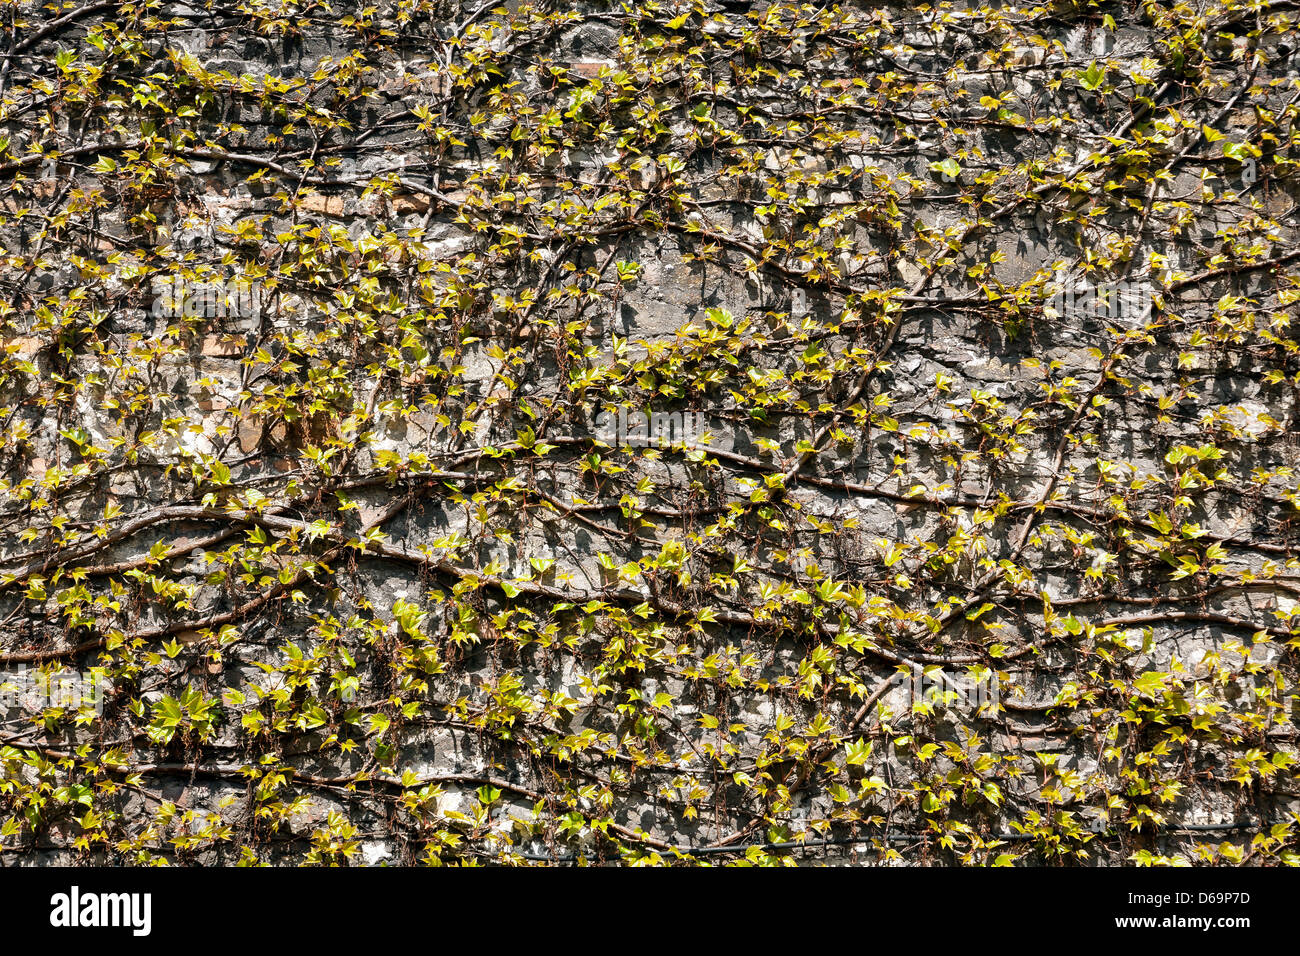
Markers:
(948, 167)
(1092, 77)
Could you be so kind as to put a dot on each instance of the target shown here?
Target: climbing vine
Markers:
(649, 433)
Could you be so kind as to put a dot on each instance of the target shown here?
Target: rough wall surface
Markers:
(644, 433)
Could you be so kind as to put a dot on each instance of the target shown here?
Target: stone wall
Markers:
(327, 335)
